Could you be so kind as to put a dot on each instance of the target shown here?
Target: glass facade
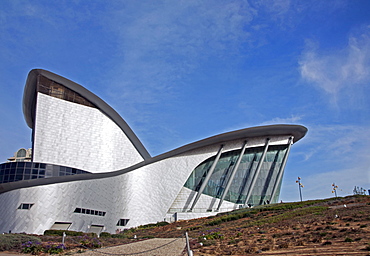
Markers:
(17, 171)
(54, 89)
(237, 193)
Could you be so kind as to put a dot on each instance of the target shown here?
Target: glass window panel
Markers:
(18, 177)
(243, 176)
(21, 153)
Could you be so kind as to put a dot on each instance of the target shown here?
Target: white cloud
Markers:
(330, 154)
(342, 74)
(293, 119)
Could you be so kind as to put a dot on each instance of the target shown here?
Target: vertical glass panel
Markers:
(243, 176)
(198, 175)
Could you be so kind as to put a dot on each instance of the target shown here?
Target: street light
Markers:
(300, 186)
(334, 189)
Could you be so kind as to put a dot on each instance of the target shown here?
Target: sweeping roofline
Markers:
(29, 105)
(297, 131)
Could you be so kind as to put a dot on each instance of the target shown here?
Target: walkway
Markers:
(151, 247)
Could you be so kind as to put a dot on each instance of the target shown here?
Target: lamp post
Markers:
(300, 186)
(334, 189)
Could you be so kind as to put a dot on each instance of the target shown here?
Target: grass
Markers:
(310, 224)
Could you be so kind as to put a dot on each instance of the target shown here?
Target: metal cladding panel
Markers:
(143, 196)
(78, 136)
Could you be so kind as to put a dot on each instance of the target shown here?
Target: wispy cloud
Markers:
(330, 153)
(344, 143)
(293, 119)
(160, 44)
(341, 74)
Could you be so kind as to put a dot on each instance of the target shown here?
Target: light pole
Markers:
(334, 189)
(300, 186)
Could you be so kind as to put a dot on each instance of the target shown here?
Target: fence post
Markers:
(64, 235)
(190, 252)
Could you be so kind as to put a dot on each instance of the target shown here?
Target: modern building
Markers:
(89, 171)
(22, 155)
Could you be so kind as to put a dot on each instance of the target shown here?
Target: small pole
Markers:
(190, 252)
(64, 235)
(300, 186)
(335, 187)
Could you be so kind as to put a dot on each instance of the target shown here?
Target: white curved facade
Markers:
(79, 136)
(90, 172)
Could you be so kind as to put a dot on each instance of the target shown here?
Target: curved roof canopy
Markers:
(29, 104)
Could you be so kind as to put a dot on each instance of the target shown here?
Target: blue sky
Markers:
(180, 71)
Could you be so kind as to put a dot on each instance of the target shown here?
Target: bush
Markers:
(118, 235)
(349, 240)
(89, 242)
(15, 241)
(52, 232)
(32, 248)
(105, 234)
(36, 248)
(153, 225)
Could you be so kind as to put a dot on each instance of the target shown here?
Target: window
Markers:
(242, 178)
(21, 153)
(122, 222)
(89, 211)
(25, 206)
(54, 89)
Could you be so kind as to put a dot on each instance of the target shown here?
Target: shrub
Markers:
(89, 242)
(118, 235)
(153, 225)
(367, 248)
(212, 235)
(52, 232)
(349, 240)
(105, 234)
(15, 241)
(32, 248)
(36, 248)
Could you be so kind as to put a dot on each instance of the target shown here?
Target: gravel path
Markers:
(151, 247)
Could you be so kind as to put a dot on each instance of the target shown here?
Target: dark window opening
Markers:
(25, 206)
(122, 222)
(89, 211)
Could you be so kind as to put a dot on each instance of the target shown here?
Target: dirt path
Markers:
(151, 247)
